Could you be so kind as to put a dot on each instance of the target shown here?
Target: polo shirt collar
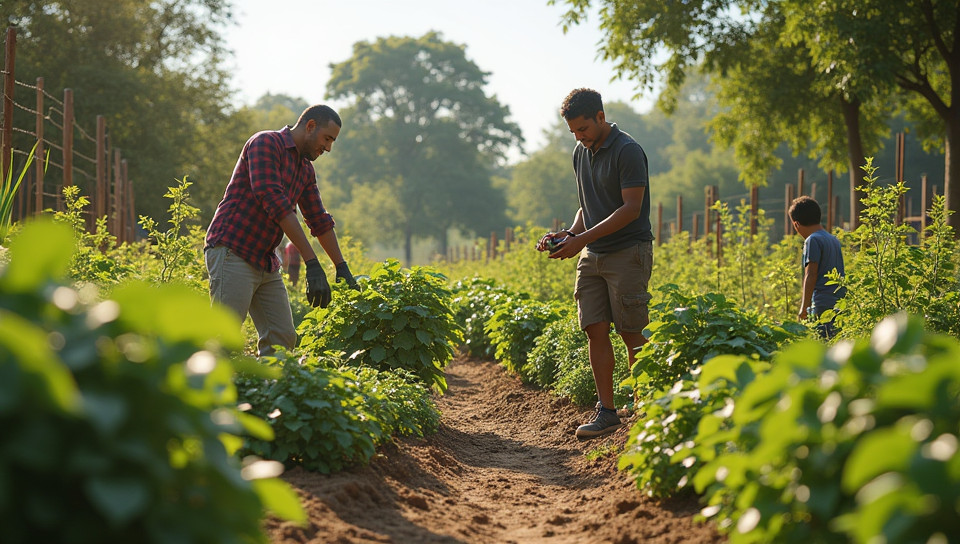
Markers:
(614, 132)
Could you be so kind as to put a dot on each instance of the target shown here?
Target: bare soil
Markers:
(504, 467)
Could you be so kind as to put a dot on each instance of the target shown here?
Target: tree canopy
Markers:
(420, 141)
(794, 71)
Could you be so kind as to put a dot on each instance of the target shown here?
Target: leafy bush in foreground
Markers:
(657, 452)
(855, 443)
(401, 319)
(118, 417)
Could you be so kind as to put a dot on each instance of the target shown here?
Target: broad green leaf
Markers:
(31, 351)
(118, 499)
(280, 499)
(41, 252)
(878, 452)
(257, 427)
(178, 314)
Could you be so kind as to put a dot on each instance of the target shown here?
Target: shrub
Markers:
(689, 330)
(559, 360)
(855, 443)
(474, 301)
(886, 274)
(326, 418)
(658, 451)
(401, 319)
(119, 419)
(516, 322)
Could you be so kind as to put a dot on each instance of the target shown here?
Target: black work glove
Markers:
(343, 274)
(318, 290)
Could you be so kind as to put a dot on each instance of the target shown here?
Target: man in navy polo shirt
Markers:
(273, 176)
(611, 234)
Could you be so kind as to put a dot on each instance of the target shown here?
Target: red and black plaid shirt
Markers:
(270, 179)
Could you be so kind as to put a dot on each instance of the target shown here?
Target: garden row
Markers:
(783, 438)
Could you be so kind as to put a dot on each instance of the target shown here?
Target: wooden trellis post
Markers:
(9, 82)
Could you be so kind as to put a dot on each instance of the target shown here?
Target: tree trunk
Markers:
(444, 241)
(407, 247)
(851, 118)
(951, 178)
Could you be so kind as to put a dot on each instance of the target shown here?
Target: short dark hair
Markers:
(321, 114)
(805, 210)
(581, 102)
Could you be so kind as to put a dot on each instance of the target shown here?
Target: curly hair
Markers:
(581, 102)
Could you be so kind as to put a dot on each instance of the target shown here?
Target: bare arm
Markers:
(809, 282)
(291, 227)
(330, 245)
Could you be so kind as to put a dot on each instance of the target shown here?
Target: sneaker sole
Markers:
(593, 434)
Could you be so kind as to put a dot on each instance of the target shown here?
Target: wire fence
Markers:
(66, 153)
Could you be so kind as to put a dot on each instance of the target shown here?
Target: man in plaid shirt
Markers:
(273, 176)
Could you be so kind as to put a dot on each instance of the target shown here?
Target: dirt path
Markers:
(504, 468)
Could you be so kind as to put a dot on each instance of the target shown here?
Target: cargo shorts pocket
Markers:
(635, 313)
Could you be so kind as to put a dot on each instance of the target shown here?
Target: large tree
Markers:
(914, 43)
(153, 69)
(423, 133)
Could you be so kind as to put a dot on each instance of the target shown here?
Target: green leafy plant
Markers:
(855, 443)
(400, 319)
(658, 453)
(560, 361)
(690, 330)
(474, 301)
(92, 261)
(119, 416)
(516, 322)
(886, 274)
(179, 248)
(9, 188)
(326, 418)
(738, 275)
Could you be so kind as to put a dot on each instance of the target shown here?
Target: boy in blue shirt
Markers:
(821, 254)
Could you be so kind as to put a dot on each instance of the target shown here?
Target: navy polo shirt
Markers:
(619, 163)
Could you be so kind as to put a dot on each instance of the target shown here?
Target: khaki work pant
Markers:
(247, 290)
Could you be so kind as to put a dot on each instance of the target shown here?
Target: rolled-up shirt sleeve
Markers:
(314, 213)
(265, 159)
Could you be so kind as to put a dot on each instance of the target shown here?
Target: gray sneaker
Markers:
(604, 422)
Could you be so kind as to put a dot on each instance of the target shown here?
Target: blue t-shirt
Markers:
(823, 248)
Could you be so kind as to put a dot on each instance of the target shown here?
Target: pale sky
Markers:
(286, 47)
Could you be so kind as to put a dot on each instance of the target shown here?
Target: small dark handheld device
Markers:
(553, 244)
